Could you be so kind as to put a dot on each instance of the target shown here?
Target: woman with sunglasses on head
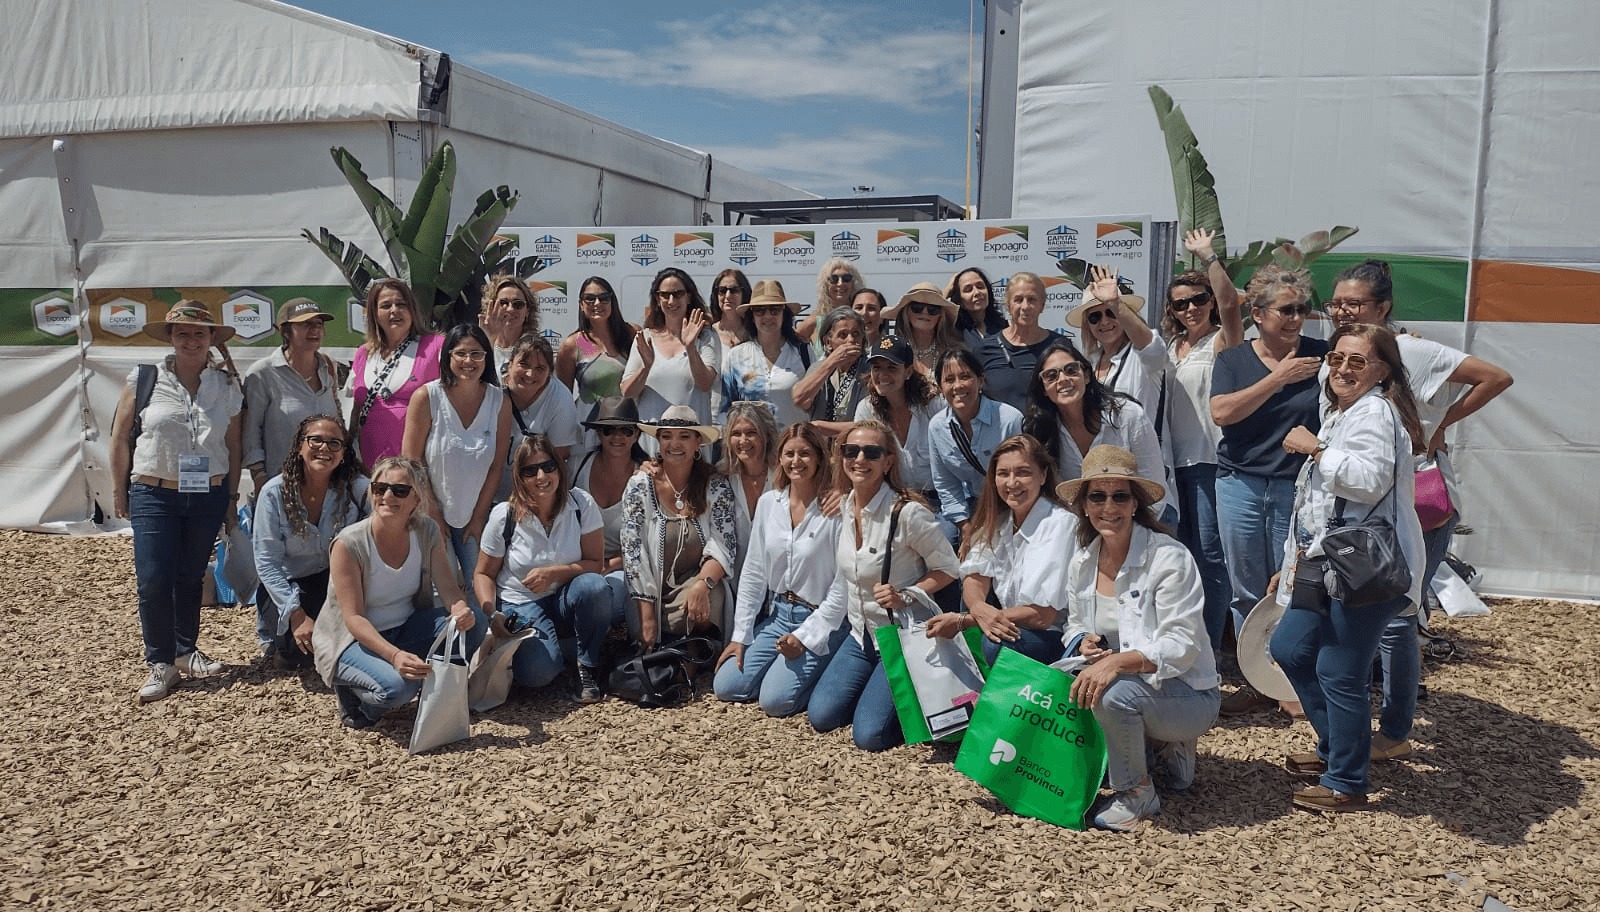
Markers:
(980, 315)
(676, 358)
(507, 313)
(399, 356)
(538, 406)
(604, 472)
(749, 453)
(963, 435)
(459, 426)
(1359, 464)
(834, 387)
(730, 290)
(1201, 320)
(372, 637)
(792, 553)
(679, 534)
(321, 487)
(541, 563)
(905, 402)
(1447, 385)
(1070, 412)
(767, 367)
(926, 319)
(1010, 357)
(1259, 391)
(853, 689)
(1135, 615)
(1014, 556)
(591, 359)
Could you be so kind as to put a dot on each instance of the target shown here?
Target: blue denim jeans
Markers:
(1132, 714)
(173, 534)
(1040, 645)
(1254, 513)
(854, 691)
(782, 685)
(1399, 649)
(1328, 659)
(584, 606)
(1200, 533)
(366, 682)
(465, 552)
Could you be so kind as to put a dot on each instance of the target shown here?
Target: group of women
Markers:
(789, 485)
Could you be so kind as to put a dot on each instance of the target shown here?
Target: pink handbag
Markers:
(1434, 507)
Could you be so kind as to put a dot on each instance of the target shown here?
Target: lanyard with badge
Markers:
(194, 465)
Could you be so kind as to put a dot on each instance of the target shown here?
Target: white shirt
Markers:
(460, 458)
(175, 423)
(1193, 432)
(1130, 429)
(552, 413)
(671, 382)
(534, 546)
(391, 591)
(916, 466)
(1028, 566)
(784, 558)
(1428, 367)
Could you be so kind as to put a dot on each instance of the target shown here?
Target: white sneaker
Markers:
(163, 678)
(198, 665)
(1126, 810)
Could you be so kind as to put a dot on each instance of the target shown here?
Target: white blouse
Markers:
(1028, 566)
(1130, 429)
(532, 545)
(784, 558)
(175, 423)
(916, 464)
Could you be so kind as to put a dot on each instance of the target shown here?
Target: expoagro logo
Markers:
(900, 245)
(250, 314)
(550, 297)
(694, 248)
(951, 245)
(52, 314)
(846, 245)
(1118, 237)
(744, 249)
(644, 249)
(1005, 242)
(600, 247)
(1061, 241)
(122, 317)
(547, 249)
(1060, 292)
(796, 248)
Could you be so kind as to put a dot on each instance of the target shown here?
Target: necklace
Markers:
(677, 495)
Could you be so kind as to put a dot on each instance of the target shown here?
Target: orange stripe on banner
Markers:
(1527, 293)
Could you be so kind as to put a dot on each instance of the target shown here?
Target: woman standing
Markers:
(1358, 465)
(320, 489)
(676, 358)
(281, 390)
(963, 435)
(604, 473)
(1016, 549)
(541, 563)
(749, 450)
(903, 400)
(176, 484)
(1010, 356)
(1201, 320)
(381, 617)
(834, 387)
(792, 554)
(590, 360)
(537, 405)
(853, 689)
(1127, 356)
(459, 426)
(508, 312)
(767, 367)
(398, 358)
(730, 290)
(870, 304)
(679, 536)
(980, 315)
(1135, 614)
(926, 319)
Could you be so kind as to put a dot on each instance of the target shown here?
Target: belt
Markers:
(793, 599)
(157, 482)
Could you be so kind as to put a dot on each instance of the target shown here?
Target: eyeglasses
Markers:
(603, 297)
(531, 470)
(1339, 360)
(1117, 497)
(1051, 374)
(1349, 303)
(729, 289)
(1292, 312)
(327, 443)
(768, 309)
(665, 295)
(399, 489)
(1095, 318)
(614, 430)
(919, 307)
(473, 355)
(870, 452)
(841, 278)
(1182, 304)
(514, 304)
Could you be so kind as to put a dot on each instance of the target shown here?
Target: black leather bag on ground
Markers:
(664, 676)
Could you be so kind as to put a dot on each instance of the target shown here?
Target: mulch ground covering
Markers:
(245, 793)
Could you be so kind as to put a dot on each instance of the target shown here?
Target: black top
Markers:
(1254, 445)
(1007, 368)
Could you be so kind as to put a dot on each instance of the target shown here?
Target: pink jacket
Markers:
(386, 423)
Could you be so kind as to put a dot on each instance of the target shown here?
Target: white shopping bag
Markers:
(1455, 596)
(442, 716)
(945, 676)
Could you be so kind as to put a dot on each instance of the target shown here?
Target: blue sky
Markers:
(823, 96)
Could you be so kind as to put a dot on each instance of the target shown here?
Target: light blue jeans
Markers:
(1400, 651)
(366, 682)
(1200, 532)
(1254, 512)
(853, 690)
(465, 551)
(1040, 645)
(1132, 714)
(782, 685)
(584, 605)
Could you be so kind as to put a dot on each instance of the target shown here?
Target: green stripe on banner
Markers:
(37, 316)
(1426, 288)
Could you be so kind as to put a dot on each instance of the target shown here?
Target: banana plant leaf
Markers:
(1193, 186)
(427, 223)
(358, 269)
(465, 255)
(385, 215)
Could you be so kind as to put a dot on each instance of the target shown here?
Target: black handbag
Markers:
(1310, 589)
(663, 676)
(1368, 566)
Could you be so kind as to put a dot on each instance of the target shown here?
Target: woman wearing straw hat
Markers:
(926, 319)
(176, 484)
(1136, 616)
(767, 367)
(679, 535)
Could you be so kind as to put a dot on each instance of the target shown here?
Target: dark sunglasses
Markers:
(1051, 374)
(760, 309)
(1291, 312)
(532, 469)
(1338, 360)
(328, 443)
(841, 278)
(1095, 318)
(871, 451)
(1183, 304)
(595, 298)
(729, 289)
(399, 488)
(1116, 497)
(615, 430)
(919, 307)
(518, 304)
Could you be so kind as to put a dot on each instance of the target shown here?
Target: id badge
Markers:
(194, 473)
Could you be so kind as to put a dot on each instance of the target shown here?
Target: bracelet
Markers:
(1209, 260)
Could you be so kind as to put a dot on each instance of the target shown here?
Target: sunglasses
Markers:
(532, 469)
(729, 289)
(1183, 304)
(871, 451)
(465, 355)
(841, 278)
(1117, 497)
(769, 309)
(517, 304)
(328, 443)
(1338, 360)
(1292, 312)
(1095, 318)
(596, 298)
(613, 430)
(399, 488)
(1052, 374)
(672, 295)
(919, 307)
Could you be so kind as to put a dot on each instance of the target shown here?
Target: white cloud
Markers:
(773, 54)
(889, 161)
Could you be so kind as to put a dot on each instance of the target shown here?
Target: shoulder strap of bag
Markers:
(144, 388)
(888, 547)
(506, 532)
(964, 444)
(377, 386)
(1339, 503)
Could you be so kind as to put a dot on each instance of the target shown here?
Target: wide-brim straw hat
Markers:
(921, 293)
(1113, 462)
(614, 411)
(680, 417)
(767, 293)
(189, 313)
(1131, 304)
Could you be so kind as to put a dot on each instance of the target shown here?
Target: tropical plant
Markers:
(445, 270)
